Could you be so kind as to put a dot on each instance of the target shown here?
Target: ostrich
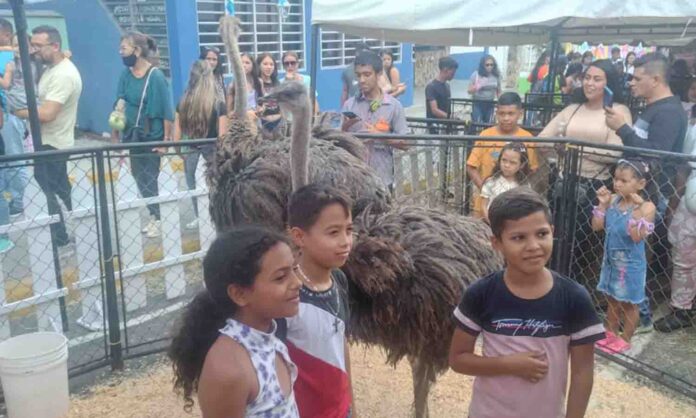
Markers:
(248, 177)
(407, 271)
(409, 265)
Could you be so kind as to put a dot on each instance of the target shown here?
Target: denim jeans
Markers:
(145, 166)
(16, 174)
(52, 175)
(483, 112)
(190, 165)
(4, 204)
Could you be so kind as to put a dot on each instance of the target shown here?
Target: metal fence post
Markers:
(570, 206)
(115, 344)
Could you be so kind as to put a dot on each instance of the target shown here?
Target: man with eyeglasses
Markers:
(59, 91)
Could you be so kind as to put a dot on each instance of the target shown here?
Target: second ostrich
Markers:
(407, 271)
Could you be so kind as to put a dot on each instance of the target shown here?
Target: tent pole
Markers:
(314, 63)
(555, 47)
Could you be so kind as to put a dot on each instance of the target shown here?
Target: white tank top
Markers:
(262, 348)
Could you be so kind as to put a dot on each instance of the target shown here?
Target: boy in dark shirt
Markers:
(532, 320)
(437, 92)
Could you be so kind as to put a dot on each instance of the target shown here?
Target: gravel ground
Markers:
(380, 391)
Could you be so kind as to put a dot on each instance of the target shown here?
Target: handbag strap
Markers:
(142, 97)
(565, 129)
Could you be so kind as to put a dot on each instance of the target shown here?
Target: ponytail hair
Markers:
(234, 258)
(148, 46)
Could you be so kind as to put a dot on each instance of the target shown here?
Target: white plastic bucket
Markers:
(34, 374)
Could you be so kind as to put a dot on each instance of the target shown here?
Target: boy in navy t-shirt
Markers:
(532, 321)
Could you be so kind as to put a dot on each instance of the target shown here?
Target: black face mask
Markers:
(130, 60)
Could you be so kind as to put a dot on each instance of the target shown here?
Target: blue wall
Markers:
(329, 84)
(468, 63)
(182, 30)
(94, 39)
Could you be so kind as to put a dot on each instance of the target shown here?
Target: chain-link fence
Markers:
(105, 246)
(447, 171)
(112, 259)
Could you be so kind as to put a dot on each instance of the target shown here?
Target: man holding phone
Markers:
(661, 126)
(374, 111)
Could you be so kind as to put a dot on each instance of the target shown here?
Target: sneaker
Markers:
(678, 319)
(610, 338)
(154, 229)
(644, 328)
(147, 227)
(5, 245)
(619, 346)
(14, 214)
(193, 224)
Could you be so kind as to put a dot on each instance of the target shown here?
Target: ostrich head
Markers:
(293, 97)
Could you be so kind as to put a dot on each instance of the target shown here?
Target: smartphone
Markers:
(608, 97)
(349, 115)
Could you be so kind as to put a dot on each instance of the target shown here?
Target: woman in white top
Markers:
(390, 80)
(628, 64)
(254, 88)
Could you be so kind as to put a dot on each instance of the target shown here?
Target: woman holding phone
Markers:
(585, 120)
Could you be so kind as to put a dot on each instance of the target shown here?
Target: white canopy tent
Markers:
(508, 22)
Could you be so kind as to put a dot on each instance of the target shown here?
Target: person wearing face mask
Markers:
(59, 91)
(149, 116)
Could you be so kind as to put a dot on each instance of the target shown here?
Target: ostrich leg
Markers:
(423, 377)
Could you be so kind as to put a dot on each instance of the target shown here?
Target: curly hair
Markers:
(233, 258)
(522, 174)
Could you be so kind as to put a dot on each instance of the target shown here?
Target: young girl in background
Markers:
(211, 55)
(628, 219)
(225, 348)
(269, 113)
(200, 114)
(511, 170)
(254, 90)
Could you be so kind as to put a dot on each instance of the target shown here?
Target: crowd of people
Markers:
(648, 207)
(58, 92)
(298, 365)
(252, 277)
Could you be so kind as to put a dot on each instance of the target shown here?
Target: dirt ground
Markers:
(380, 391)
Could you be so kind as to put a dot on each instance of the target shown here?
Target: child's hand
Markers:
(604, 196)
(530, 366)
(636, 199)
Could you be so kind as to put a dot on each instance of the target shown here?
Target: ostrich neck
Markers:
(232, 44)
(299, 148)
